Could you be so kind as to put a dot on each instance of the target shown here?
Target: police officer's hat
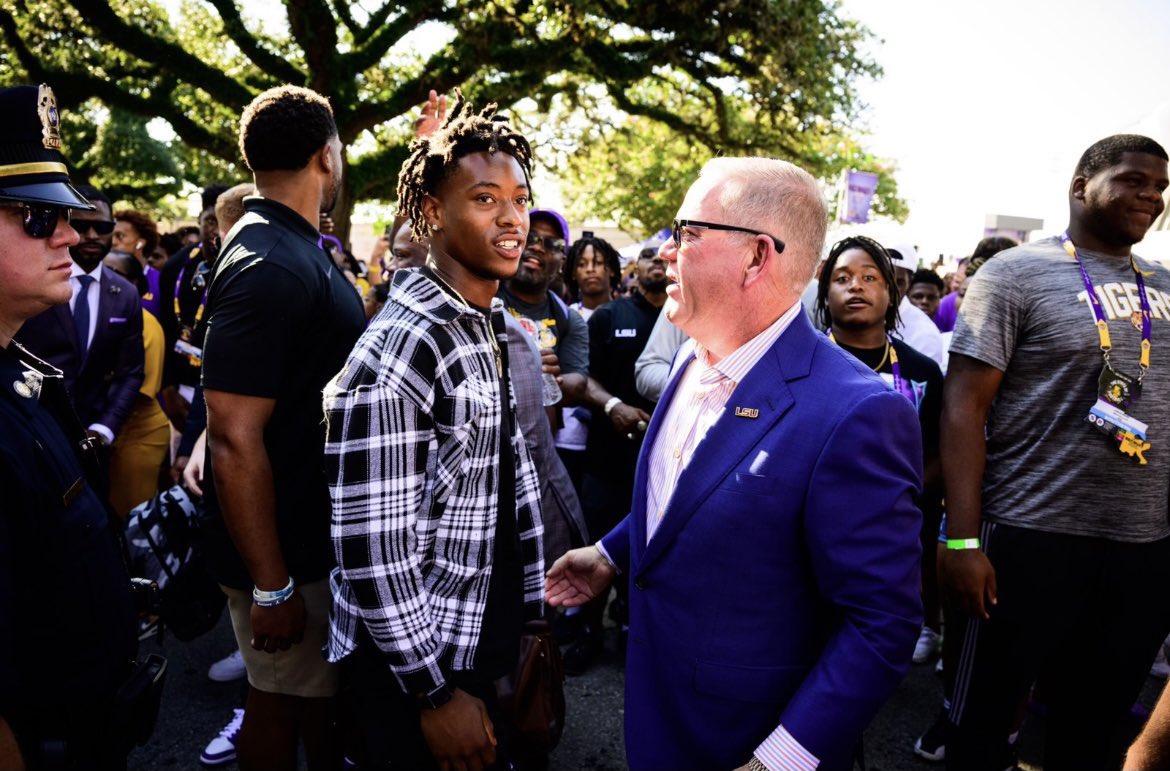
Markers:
(32, 168)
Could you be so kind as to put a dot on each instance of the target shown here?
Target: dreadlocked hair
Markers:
(433, 158)
(885, 266)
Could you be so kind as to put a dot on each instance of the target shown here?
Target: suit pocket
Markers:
(762, 685)
(749, 484)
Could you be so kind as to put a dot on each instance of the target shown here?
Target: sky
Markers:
(986, 106)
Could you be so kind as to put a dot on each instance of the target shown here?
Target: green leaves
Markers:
(632, 97)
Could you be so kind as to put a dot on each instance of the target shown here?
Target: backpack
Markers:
(165, 545)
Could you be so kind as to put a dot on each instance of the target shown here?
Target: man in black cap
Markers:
(60, 570)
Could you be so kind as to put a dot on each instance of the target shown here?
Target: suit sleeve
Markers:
(616, 544)
(129, 365)
(861, 532)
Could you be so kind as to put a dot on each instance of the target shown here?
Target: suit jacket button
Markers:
(639, 583)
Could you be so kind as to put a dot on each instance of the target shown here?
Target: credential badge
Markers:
(50, 118)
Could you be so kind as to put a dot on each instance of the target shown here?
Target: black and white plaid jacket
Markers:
(412, 450)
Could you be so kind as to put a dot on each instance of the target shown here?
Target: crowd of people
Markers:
(801, 466)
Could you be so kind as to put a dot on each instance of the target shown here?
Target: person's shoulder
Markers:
(117, 285)
(1023, 260)
(839, 377)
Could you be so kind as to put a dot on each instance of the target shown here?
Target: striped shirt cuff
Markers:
(601, 548)
(781, 752)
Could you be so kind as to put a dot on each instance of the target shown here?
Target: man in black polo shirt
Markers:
(281, 321)
(618, 332)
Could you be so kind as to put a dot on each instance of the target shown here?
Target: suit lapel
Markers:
(107, 294)
(733, 436)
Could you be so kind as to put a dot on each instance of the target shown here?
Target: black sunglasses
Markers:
(678, 225)
(101, 227)
(550, 243)
(40, 220)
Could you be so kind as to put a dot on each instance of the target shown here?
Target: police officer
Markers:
(67, 617)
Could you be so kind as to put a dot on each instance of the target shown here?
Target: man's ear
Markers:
(1078, 188)
(433, 212)
(760, 261)
(325, 159)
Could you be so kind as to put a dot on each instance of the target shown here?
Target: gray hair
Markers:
(779, 198)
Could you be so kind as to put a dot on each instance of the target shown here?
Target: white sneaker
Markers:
(929, 643)
(222, 749)
(229, 668)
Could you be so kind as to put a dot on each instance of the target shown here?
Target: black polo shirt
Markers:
(618, 332)
(282, 320)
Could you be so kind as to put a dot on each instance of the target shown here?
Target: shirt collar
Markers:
(76, 270)
(739, 362)
(276, 210)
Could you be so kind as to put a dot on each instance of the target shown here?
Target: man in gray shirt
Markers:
(1057, 472)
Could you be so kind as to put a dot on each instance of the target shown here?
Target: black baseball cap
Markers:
(32, 169)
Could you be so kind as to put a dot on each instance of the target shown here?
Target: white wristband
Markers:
(269, 599)
(613, 402)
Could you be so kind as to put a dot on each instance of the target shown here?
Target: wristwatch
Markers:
(436, 698)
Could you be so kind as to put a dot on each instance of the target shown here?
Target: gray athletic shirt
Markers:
(1026, 313)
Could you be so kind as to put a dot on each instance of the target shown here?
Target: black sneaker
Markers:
(932, 745)
(581, 655)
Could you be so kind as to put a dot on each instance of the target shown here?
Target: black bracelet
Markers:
(436, 698)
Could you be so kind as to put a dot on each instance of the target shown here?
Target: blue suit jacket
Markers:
(103, 385)
(782, 585)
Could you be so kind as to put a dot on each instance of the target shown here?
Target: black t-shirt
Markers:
(282, 320)
(503, 616)
(921, 374)
(618, 332)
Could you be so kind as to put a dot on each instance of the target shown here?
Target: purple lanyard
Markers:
(1099, 313)
(900, 385)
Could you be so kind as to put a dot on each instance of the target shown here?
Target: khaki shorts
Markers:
(301, 670)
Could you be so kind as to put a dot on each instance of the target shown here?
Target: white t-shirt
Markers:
(917, 330)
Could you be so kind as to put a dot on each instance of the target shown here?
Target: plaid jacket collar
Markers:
(414, 289)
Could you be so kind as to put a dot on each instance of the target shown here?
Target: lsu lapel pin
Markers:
(747, 412)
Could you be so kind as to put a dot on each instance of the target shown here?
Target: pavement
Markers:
(194, 709)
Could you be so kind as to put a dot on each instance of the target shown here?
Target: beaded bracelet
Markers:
(271, 599)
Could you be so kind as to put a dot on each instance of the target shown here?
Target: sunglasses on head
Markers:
(101, 227)
(39, 220)
(550, 243)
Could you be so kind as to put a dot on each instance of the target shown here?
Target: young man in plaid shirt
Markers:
(436, 504)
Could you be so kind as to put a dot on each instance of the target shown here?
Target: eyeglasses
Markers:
(101, 227)
(550, 243)
(678, 225)
(40, 220)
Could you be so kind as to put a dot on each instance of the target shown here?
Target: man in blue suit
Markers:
(772, 550)
(95, 339)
